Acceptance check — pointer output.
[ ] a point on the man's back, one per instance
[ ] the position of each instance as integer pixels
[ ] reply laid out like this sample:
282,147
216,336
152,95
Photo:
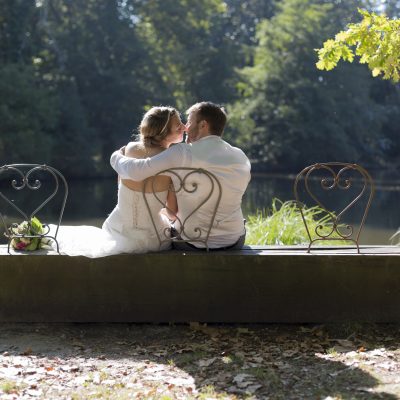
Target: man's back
232,169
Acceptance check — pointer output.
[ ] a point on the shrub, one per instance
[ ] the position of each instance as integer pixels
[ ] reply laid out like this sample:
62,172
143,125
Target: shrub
283,225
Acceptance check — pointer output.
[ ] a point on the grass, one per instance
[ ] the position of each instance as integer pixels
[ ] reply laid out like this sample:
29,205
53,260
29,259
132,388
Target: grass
209,392
332,352
9,387
266,375
282,224
184,359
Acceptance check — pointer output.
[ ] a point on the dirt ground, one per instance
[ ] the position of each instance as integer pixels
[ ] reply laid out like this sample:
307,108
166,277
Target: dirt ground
121,361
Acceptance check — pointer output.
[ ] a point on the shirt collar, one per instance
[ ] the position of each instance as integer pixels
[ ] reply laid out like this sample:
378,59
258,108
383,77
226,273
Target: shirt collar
209,137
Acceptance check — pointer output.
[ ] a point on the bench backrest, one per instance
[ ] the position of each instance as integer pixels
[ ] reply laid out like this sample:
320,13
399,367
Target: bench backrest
204,191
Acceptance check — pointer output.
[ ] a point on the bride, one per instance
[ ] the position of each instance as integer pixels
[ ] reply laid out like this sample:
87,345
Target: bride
128,228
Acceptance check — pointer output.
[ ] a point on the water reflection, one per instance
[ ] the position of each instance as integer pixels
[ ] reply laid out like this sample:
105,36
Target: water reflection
90,201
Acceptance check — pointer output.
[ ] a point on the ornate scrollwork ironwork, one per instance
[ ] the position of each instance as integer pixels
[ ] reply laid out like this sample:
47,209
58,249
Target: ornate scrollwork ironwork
25,180
336,179
183,182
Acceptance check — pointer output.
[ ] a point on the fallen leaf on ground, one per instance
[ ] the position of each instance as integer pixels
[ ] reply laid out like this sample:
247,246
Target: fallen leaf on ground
206,362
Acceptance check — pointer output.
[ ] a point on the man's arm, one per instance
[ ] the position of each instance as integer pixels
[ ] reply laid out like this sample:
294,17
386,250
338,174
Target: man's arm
139,169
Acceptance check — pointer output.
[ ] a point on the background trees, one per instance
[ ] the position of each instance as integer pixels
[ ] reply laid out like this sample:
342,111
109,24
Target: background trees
291,113
76,77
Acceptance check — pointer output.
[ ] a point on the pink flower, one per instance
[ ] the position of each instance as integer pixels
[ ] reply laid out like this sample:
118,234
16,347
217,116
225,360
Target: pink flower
20,245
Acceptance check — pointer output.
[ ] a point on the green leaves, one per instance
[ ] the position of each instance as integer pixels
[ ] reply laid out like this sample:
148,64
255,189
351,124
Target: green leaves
36,226
189,53
34,243
332,52
290,113
375,39
77,77
28,115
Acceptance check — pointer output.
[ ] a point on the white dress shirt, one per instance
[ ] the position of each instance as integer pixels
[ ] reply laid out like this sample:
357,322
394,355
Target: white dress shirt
229,164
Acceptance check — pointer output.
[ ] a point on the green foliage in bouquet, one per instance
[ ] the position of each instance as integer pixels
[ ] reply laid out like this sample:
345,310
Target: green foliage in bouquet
24,232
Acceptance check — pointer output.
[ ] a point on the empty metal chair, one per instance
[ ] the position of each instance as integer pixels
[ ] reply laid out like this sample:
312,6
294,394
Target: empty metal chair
27,179
309,187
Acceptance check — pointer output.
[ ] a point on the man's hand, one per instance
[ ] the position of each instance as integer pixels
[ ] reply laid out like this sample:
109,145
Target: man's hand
169,214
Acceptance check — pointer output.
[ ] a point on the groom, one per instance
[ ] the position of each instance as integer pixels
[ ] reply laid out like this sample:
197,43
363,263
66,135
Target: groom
205,149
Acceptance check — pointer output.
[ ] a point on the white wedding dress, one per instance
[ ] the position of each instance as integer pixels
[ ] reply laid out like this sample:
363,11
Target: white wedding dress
128,229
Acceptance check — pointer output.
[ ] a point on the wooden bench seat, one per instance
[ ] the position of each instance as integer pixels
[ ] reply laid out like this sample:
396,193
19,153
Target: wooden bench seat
273,284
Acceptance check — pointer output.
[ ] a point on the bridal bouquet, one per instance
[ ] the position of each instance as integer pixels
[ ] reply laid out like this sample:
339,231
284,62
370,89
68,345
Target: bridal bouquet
24,230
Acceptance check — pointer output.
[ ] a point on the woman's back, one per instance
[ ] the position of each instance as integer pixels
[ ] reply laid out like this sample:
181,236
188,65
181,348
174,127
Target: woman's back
128,228
156,184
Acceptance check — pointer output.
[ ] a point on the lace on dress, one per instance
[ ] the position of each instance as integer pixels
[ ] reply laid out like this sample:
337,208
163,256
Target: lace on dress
127,229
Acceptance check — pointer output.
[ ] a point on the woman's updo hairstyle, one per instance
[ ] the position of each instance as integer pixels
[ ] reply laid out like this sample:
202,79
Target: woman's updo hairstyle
156,125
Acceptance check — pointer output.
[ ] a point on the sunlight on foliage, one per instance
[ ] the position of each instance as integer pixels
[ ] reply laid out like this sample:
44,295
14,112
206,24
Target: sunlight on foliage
376,40
283,225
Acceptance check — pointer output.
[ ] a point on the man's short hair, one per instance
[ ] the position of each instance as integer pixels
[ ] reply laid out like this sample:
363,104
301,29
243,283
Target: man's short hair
212,113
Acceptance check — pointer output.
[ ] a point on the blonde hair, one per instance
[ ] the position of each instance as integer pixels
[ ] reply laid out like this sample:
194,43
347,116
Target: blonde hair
156,125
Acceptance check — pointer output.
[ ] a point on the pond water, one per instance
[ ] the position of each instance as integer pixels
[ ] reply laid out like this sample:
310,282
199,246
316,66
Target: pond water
90,201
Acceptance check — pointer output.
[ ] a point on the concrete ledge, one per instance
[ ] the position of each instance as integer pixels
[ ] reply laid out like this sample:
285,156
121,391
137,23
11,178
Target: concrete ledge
274,284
